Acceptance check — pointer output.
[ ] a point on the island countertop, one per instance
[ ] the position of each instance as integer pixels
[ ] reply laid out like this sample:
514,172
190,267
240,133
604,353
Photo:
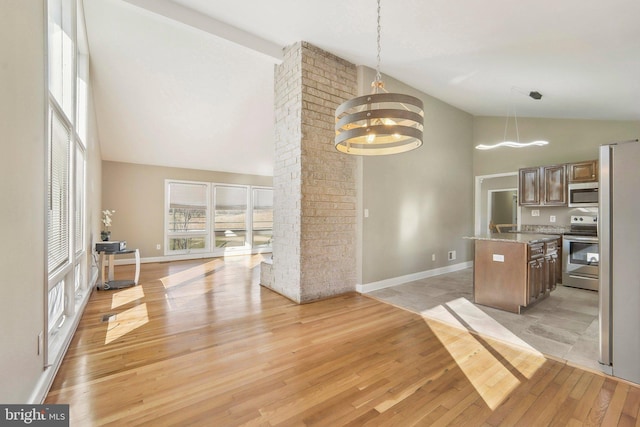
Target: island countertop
516,237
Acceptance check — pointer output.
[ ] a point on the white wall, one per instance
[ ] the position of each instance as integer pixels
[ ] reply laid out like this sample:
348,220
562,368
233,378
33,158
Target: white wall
23,189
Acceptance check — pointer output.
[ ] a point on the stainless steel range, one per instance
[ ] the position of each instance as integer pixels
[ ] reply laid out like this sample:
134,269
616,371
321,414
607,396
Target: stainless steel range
580,253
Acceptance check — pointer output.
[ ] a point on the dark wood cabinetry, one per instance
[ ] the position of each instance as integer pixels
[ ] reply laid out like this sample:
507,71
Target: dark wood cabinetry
554,185
536,272
583,171
543,186
529,187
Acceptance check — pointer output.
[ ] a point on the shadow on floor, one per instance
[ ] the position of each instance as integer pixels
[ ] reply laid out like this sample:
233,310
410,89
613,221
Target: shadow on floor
564,325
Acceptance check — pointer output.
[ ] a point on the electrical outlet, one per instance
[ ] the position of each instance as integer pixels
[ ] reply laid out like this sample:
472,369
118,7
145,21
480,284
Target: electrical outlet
552,218
158,246
366,213
433,257
452,255
535,212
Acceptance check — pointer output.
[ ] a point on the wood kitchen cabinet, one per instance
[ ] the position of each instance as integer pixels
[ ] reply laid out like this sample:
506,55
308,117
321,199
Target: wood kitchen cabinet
583,171
514,270
543,186
529,186
536,283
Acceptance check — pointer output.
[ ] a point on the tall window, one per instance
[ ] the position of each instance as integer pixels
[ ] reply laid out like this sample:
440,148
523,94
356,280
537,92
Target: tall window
262,217
230,215
67,260
62,50
187,217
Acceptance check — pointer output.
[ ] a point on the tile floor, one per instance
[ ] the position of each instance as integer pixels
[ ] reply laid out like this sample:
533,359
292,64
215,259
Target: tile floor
564,325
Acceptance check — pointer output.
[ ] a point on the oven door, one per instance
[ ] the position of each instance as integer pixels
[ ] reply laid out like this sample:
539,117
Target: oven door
581,258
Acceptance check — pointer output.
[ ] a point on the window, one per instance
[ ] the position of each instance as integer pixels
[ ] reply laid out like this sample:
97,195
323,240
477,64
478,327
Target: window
230,216
211,218
262,217
56,305
79,199
187,217
62,71
67,260
58,232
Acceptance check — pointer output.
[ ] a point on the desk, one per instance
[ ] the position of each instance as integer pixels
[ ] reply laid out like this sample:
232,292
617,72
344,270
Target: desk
108,282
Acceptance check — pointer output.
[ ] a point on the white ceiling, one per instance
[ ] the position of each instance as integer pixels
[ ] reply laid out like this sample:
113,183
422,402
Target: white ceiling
189,83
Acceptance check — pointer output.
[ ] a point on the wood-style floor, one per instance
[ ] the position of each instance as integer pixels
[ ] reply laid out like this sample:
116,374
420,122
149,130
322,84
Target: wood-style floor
201,343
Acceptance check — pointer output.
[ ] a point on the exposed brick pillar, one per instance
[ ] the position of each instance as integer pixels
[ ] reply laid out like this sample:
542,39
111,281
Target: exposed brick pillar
314,248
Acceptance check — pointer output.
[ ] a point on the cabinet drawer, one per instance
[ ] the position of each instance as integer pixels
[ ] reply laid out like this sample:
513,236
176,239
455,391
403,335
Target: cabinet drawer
551,247
536,250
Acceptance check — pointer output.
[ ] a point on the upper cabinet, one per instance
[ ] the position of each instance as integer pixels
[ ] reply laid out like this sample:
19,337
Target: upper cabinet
543,186
554,185
583,171
529,187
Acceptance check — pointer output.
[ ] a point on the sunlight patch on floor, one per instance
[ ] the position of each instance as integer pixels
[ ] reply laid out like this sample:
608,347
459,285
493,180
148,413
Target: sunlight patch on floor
494,370
125,322
196,272
126,296
464,314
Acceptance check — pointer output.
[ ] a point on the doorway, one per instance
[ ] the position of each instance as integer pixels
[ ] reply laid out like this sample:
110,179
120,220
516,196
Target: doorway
497,183
502,209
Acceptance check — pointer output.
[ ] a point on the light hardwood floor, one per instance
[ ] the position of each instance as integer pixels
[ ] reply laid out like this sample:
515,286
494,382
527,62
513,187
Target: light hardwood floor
201,343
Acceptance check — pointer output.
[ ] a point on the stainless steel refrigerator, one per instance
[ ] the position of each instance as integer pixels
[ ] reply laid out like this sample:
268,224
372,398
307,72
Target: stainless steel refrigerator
619,275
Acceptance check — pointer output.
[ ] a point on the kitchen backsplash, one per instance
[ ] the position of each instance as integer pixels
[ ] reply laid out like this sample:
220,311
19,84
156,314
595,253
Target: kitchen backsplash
562,216
535,228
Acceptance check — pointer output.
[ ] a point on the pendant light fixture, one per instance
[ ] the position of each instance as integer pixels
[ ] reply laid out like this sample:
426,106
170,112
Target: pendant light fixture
516,143
380,123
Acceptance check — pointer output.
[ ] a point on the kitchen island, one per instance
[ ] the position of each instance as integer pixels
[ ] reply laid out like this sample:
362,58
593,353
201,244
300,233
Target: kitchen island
514,270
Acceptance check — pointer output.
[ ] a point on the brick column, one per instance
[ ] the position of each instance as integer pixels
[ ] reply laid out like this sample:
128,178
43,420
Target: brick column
314,248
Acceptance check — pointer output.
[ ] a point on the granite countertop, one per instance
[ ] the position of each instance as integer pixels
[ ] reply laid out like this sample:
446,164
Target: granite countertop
516,237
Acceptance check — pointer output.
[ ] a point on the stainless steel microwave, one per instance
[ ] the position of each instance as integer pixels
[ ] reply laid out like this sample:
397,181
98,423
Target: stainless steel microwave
584,194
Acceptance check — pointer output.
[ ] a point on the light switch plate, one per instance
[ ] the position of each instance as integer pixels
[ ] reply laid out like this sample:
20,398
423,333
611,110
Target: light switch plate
535,212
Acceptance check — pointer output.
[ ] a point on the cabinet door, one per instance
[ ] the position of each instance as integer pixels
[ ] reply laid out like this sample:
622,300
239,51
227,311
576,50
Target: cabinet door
529,187
552,279
583,171
535,279
555,186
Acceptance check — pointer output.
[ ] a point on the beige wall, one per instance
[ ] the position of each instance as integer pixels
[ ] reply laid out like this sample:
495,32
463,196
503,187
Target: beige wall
23,189
136,192
421,202
569,141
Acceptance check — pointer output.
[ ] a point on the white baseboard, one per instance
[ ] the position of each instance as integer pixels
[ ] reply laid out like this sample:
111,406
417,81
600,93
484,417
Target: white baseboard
395,281
183,257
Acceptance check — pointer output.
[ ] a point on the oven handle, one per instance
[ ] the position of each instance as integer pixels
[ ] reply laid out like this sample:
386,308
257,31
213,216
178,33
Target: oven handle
581,239
575,276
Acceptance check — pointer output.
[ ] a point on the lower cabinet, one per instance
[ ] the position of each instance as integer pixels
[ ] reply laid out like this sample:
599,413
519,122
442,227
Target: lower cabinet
543,269
510,275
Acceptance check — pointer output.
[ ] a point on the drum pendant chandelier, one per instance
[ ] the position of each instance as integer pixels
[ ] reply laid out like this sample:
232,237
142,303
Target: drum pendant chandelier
380,123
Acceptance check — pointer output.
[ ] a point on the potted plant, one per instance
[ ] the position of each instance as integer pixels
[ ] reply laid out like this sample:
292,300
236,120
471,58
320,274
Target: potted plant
105,234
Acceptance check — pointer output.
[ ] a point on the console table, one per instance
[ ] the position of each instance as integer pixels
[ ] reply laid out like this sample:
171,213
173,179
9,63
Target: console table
108,282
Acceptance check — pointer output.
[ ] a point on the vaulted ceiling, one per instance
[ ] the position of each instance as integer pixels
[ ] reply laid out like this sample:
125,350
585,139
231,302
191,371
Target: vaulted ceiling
189,83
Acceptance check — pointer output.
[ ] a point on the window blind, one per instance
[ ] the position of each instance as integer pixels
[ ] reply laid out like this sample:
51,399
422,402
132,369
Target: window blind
58,233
